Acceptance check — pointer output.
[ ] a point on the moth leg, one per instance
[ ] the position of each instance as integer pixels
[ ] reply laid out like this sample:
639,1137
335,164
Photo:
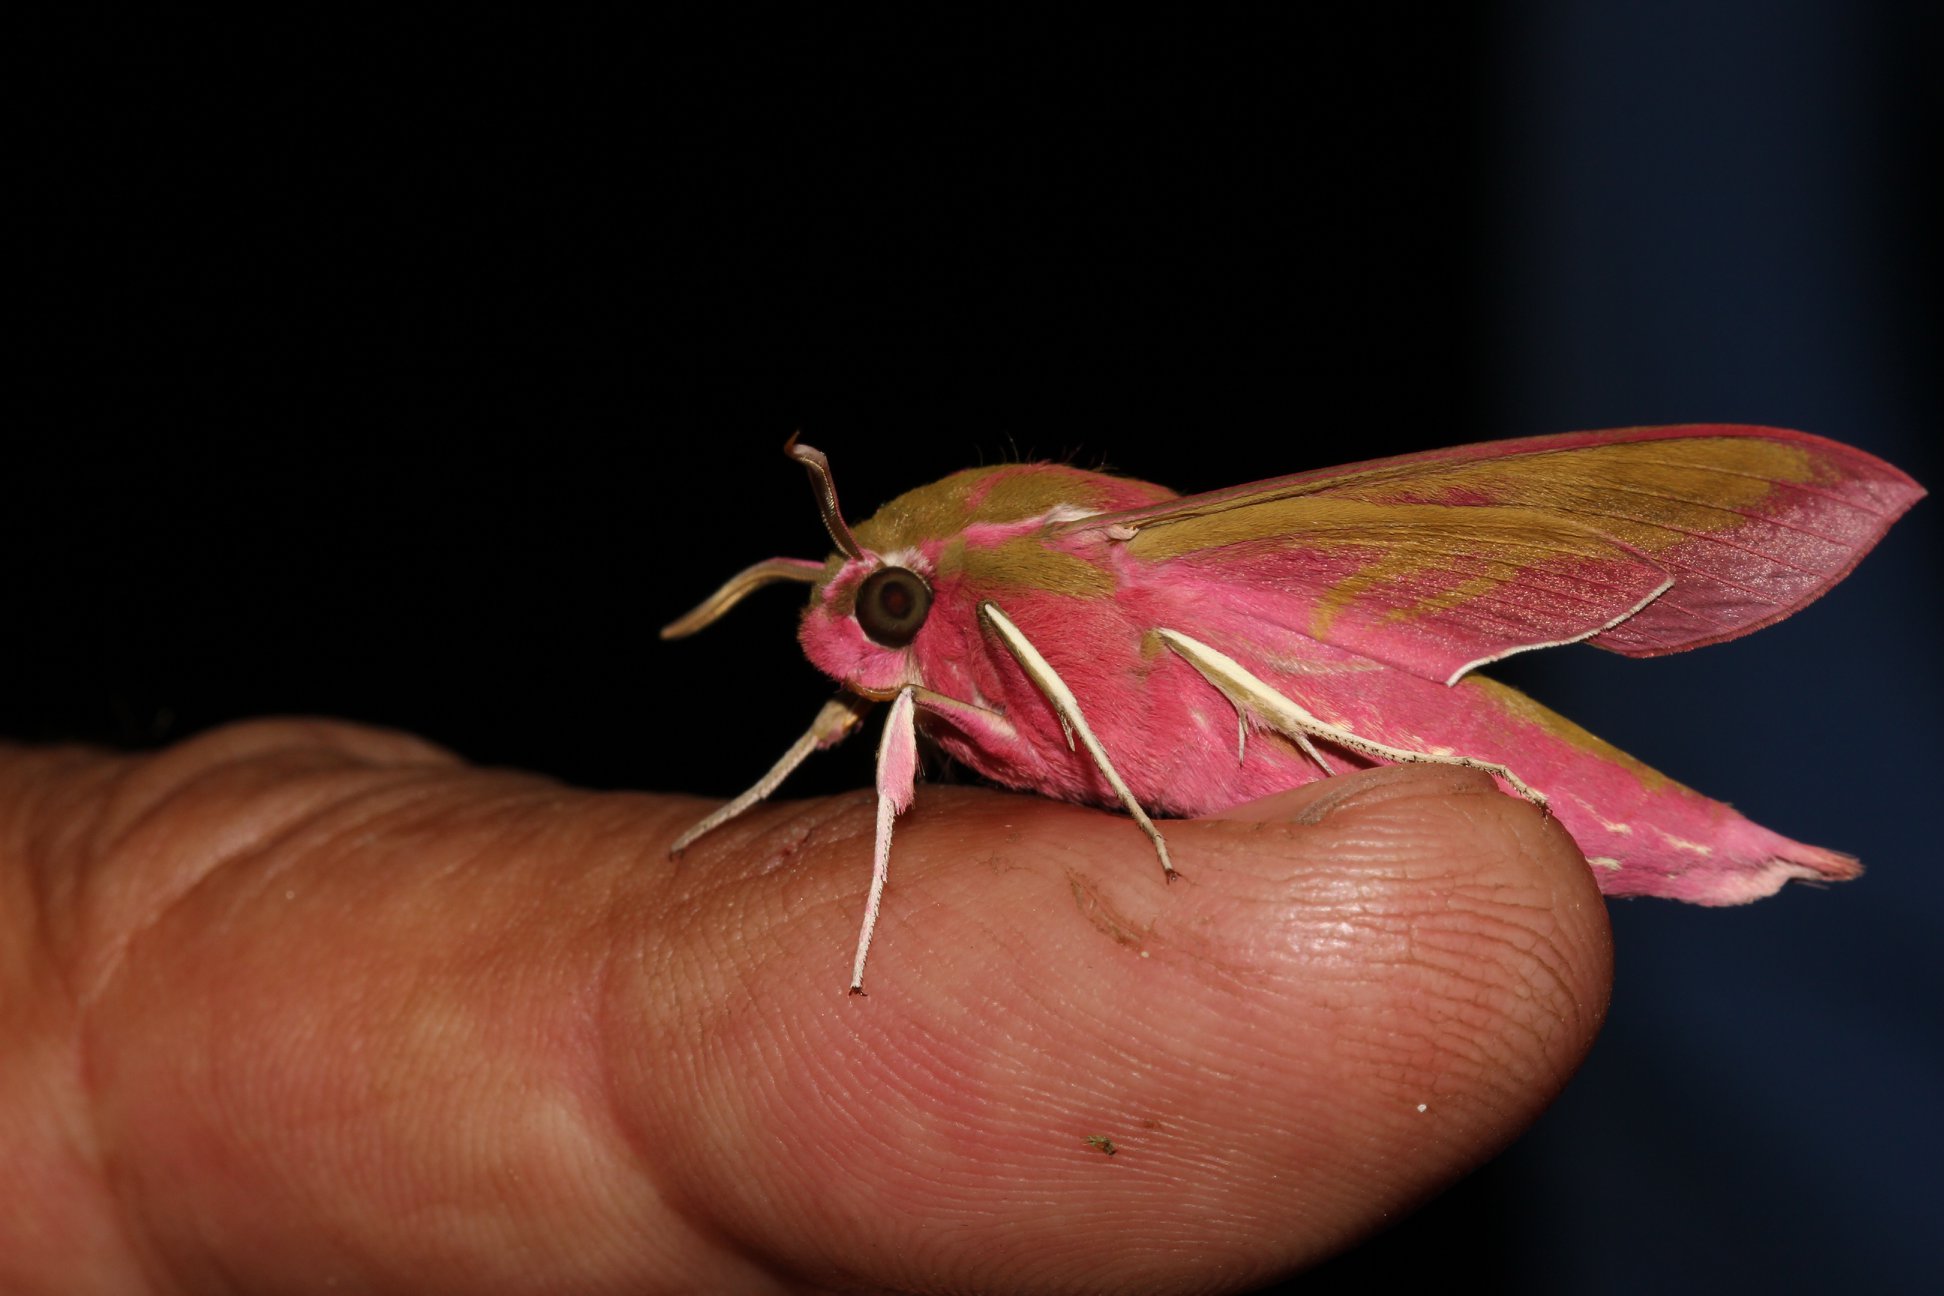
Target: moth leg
833,724
897,777
1067,707
1309,749
1303,744
1252,695
972,720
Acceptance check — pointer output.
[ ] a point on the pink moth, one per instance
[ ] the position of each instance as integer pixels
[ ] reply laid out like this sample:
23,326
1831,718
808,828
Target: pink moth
1106,641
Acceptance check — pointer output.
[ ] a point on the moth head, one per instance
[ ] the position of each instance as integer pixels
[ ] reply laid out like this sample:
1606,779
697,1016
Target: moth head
866,610
865,614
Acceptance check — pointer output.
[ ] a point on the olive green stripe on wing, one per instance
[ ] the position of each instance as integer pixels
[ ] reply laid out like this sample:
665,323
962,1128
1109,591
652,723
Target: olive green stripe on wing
1647,493
1522,708
1748,526
1430,589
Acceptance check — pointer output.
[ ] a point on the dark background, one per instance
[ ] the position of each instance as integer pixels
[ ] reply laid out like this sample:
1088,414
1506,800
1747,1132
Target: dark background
417,374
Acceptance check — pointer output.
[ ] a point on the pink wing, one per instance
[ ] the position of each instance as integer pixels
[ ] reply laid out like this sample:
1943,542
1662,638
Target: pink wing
1643,540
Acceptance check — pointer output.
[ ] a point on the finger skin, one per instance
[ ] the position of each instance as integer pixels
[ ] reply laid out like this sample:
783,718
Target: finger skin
312,1005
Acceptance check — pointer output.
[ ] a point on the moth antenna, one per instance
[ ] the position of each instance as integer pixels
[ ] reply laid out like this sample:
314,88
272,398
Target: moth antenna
897,779
833,724
737,587
1067,707
820,481
1286,717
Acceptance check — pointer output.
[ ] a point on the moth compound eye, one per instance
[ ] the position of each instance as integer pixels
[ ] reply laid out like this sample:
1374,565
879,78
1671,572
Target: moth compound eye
891,605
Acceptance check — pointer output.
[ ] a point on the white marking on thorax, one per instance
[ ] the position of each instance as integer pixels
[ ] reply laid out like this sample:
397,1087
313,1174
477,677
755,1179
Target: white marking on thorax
1062,513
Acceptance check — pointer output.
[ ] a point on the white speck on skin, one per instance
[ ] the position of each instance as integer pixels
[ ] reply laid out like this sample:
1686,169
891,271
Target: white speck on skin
1423,1107
290,895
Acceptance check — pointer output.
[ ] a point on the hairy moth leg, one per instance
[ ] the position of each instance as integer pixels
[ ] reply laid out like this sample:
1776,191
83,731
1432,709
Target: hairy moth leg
1067,707
897,778
973,721
1303,744
833,724
1251,696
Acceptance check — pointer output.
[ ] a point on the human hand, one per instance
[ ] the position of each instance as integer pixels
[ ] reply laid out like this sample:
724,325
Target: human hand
300,1004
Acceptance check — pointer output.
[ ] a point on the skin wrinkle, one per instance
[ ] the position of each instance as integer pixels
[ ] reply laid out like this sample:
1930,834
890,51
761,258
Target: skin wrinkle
154,1249
1478,1058
1536,964
52,894
1541,949
707,1249
343,815
716,862
1495,994
259,845
1407,1078
622,1039
147,785
144,1250
45,941
620,920
78,772
1536,1025
807,1192
78,1121
891,1095
137,792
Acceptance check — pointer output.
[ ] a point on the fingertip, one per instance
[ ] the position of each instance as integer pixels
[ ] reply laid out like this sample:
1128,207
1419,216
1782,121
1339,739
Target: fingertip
1451,935
1392,971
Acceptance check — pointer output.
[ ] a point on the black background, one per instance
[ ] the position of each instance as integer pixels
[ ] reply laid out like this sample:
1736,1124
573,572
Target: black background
417,373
